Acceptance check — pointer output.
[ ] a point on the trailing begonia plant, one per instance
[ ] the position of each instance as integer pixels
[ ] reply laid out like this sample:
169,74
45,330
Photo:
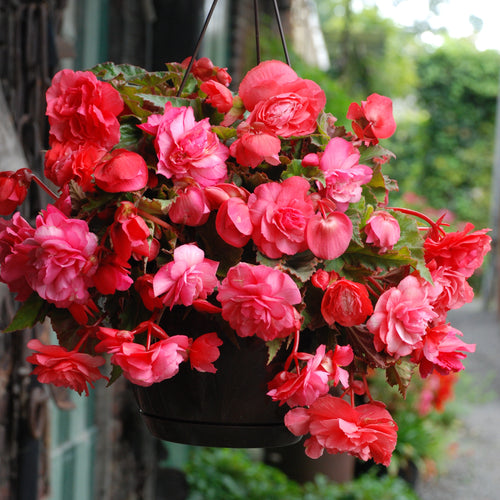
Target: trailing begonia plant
251,206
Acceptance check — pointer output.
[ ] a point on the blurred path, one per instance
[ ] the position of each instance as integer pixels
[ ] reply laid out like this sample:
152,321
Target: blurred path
474,470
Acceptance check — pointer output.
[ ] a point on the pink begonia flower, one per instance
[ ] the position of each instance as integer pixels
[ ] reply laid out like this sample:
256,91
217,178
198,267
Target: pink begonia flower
258,300
255,144
144,287
161,361
401,317
112,339
346,302
461,251
130,235
14,255
218,95
68,161
63,259
204,351
121,171
187,149
188,277
218,194
328,237
279,213
373,120
62,368
303,388
204,70
366,431
83,109
344,176
382,230
233,222
112,274
436,391
455,291
441,351
190,207
13,189
286,104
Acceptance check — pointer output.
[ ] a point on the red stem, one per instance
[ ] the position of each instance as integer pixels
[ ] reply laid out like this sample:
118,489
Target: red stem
45,188
155,219
420,215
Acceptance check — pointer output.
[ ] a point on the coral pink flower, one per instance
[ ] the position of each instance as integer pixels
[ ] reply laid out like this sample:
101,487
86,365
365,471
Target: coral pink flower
130,234
112,274
218,194
373,120
63,259
144,287
161,361
333,360
204,351
366,431
188,277
328,237
190,207
462,251
233,222
83,109
258,300
204,70
442,351
187,148
286,104
401,317
111,339
218,95
60,367
121,171
346,302
279,213
344,176
254,145
382,230
13,189
14,255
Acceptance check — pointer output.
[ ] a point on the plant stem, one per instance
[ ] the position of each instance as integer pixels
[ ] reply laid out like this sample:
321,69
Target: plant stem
45,188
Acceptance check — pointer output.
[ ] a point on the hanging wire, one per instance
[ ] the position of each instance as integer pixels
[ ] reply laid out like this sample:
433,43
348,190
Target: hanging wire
282,35
197,48
257,33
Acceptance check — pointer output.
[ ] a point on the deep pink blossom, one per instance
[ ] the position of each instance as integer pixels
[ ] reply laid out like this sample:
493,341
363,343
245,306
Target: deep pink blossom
112,339
442,351
82,109
462,251
401,316
218,95
13,189
144,367
328,237
190,207
60,367
144,287
373,120
382,230
62,258
205,70
279,213
346,302
233,222
188,277
258,300
187,148
366,431
112,274
204,351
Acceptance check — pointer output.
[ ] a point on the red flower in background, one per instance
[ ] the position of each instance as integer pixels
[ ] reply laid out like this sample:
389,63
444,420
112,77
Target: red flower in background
13,189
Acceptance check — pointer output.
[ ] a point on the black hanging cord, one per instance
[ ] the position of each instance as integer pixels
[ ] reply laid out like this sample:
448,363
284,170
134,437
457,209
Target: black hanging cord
198,44
282,35
257,33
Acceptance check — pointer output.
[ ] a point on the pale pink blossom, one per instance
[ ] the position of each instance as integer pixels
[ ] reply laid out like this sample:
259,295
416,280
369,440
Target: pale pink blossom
401,316
186,148
188,277
144,367
280,213
382,230
258,300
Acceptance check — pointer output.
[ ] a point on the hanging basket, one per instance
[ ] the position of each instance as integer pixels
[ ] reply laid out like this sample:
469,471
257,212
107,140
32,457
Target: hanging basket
229,408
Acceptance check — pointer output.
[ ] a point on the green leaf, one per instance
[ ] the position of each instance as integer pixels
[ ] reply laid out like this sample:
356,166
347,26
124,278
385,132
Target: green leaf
295,169
32,311
130,135
116,373
301,266
109,71
400,375
273,346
